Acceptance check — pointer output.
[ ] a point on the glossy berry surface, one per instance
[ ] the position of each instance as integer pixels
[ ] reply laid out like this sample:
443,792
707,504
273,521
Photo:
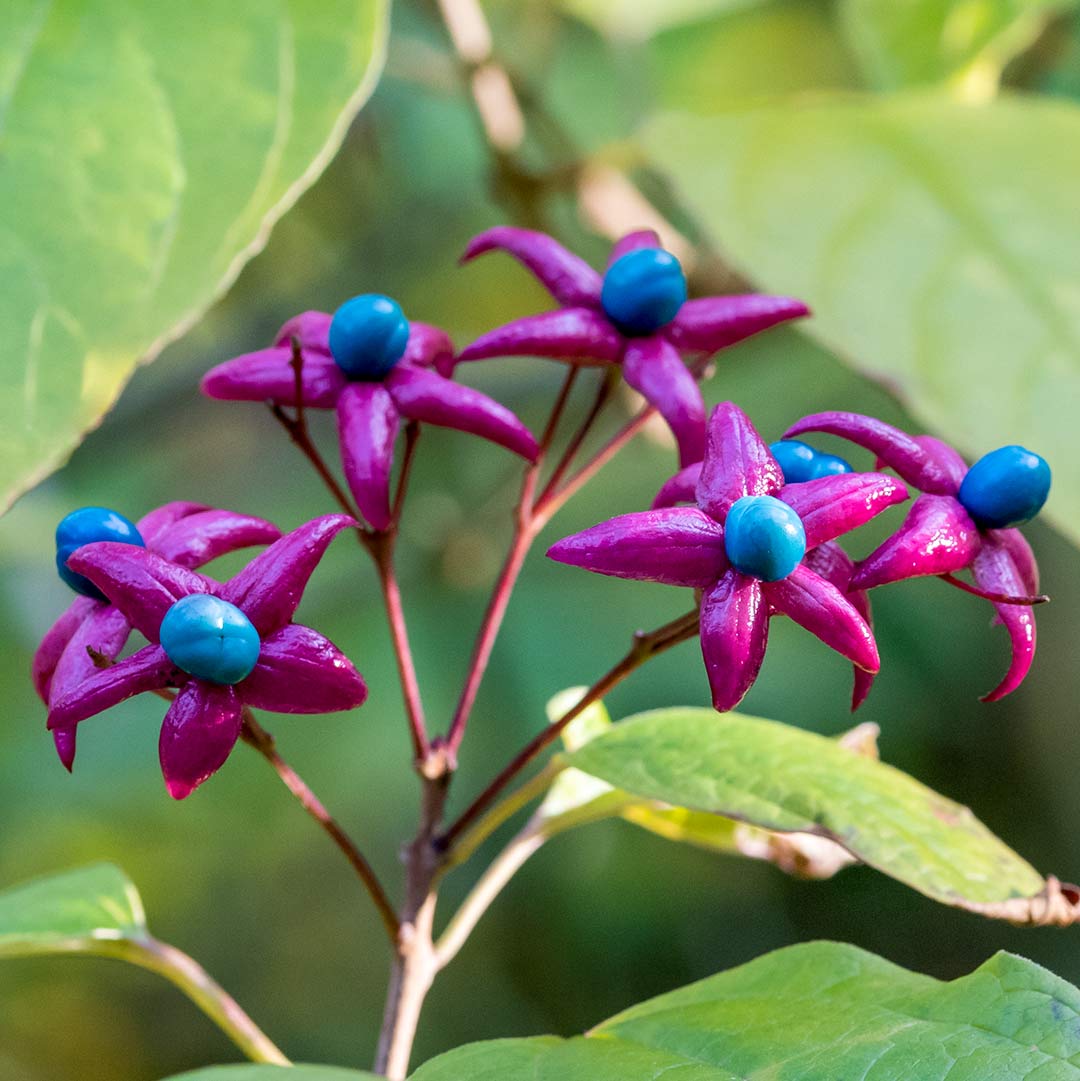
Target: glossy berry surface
1005,487
210,638
643,291
795,458
85,526
801,462
368,335
764,537
829,465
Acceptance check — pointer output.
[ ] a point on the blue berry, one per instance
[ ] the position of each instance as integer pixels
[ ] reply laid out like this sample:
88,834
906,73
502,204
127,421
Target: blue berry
368,335
764,537
1005,487
829,465
85,526
210,639
795,458
801,462
643,291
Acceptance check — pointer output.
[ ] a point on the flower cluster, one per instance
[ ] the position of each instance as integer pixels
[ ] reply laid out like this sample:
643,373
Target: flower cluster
222,646
752,528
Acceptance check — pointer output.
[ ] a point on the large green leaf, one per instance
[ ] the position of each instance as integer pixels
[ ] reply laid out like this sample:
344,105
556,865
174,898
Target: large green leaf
145,151
577,798
69,912
817,1012
936,244
785,779
298,1072
914,42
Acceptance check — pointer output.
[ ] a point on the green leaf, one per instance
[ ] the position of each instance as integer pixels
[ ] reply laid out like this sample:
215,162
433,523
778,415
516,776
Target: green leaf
783,779
915,42
577,798
639,19
70,912
935,243
146,151
816,1012
759,52
297,1072
97,910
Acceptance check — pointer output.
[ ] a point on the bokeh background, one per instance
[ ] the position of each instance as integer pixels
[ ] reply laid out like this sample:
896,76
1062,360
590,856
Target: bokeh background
605,916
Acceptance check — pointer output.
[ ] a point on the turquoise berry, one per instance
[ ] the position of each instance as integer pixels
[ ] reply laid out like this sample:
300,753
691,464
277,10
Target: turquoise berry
800,462
829,465
210,639
764,537
1005,487
368,335
643,291
85,526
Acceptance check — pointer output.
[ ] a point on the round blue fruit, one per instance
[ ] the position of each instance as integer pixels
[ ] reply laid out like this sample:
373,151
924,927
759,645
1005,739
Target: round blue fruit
829,465
764,537
210,638
643,291
1005,487
795,458
85,526
801,462
368,335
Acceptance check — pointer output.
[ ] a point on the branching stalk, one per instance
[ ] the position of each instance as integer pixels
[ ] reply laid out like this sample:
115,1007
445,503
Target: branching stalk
257,736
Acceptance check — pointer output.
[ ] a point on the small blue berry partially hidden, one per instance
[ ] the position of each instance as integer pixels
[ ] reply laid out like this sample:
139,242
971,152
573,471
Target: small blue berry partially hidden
1005,487
643,291
368,335
829,465
85,526
764,537
801,462
210,638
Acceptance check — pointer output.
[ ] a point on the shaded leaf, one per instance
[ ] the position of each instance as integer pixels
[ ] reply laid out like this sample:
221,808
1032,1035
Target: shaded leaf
147,150
816,1012
783,779
935,243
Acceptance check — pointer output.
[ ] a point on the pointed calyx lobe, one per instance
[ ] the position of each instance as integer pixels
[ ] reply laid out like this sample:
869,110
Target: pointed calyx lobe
637,314
742,546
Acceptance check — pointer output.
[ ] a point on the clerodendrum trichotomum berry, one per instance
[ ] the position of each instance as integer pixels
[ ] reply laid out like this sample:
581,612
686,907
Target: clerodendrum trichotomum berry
210,639
764,537
368,336
643,291
84,526
1005,487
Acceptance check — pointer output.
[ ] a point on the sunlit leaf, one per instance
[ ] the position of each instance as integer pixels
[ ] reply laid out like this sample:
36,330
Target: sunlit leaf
298,1072
816,1012
935,242
96,910
642,18
146,151
915,42
787,780
70,912
756,52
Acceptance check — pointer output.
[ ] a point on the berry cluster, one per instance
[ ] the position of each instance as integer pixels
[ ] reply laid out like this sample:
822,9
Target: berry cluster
751,527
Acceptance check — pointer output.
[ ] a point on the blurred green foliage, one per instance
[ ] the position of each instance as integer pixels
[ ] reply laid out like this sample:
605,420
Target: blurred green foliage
146,152
605,917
